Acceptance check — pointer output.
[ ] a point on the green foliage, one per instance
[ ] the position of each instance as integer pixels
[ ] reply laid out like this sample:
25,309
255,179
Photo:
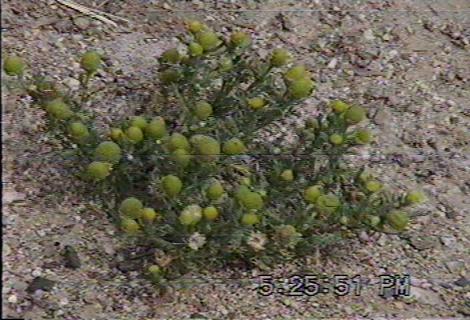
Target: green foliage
197,179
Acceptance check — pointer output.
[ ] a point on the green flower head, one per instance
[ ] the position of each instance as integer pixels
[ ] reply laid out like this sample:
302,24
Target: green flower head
301,88
171,56
208,40
203,110
312,193
91,61
287,175
250,219
226,64
178,141
280,57
169,76
191,215
181,157
251,200
131,208
116,134
355,115
206,147
210,213
296,73
415,197
148,215
139,122
363,136
195,26
108,151
59,109
240,39
215,190
78,131
172,185
98,171
286,231
134,135
130,226
336,139
156,129
327,203
398,220
14,66
257,103
195,49
234,146
339,106
373,186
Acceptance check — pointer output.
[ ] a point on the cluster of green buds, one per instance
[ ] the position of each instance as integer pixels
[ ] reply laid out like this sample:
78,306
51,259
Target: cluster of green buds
134,215
14,66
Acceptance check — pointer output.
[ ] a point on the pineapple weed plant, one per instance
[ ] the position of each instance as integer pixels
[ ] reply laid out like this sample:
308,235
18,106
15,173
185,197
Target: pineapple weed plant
197,181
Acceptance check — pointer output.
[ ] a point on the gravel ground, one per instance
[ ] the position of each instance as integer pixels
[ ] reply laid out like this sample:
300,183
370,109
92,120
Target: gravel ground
407,61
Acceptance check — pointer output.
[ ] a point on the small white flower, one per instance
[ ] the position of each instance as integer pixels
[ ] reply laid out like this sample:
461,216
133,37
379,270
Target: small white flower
257,240
196,241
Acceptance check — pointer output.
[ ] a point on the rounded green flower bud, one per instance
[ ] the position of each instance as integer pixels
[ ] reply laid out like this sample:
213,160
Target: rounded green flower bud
195,26
98,171
195,49
286,231
154,269
301,88
226,65
280,57
344,220
373,186
363,137
156,129
139,122
215,190
170,76
131,207
256,103
210,213
130,226
148,215
312,123
296,73
234,146
240,39
327,203
59,109
78,131
178,141
181,157
190,215
336,139
312,193
251,200
398,220
203,110
14,66
90,61
171,185
108,151
171,56
241,192
116,134
339,106
134,134
355,115
250,219
415,197
206,147
208,40
287,175
373,220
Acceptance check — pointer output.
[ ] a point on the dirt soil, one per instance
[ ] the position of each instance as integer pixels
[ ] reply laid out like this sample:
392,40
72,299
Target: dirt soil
407,62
